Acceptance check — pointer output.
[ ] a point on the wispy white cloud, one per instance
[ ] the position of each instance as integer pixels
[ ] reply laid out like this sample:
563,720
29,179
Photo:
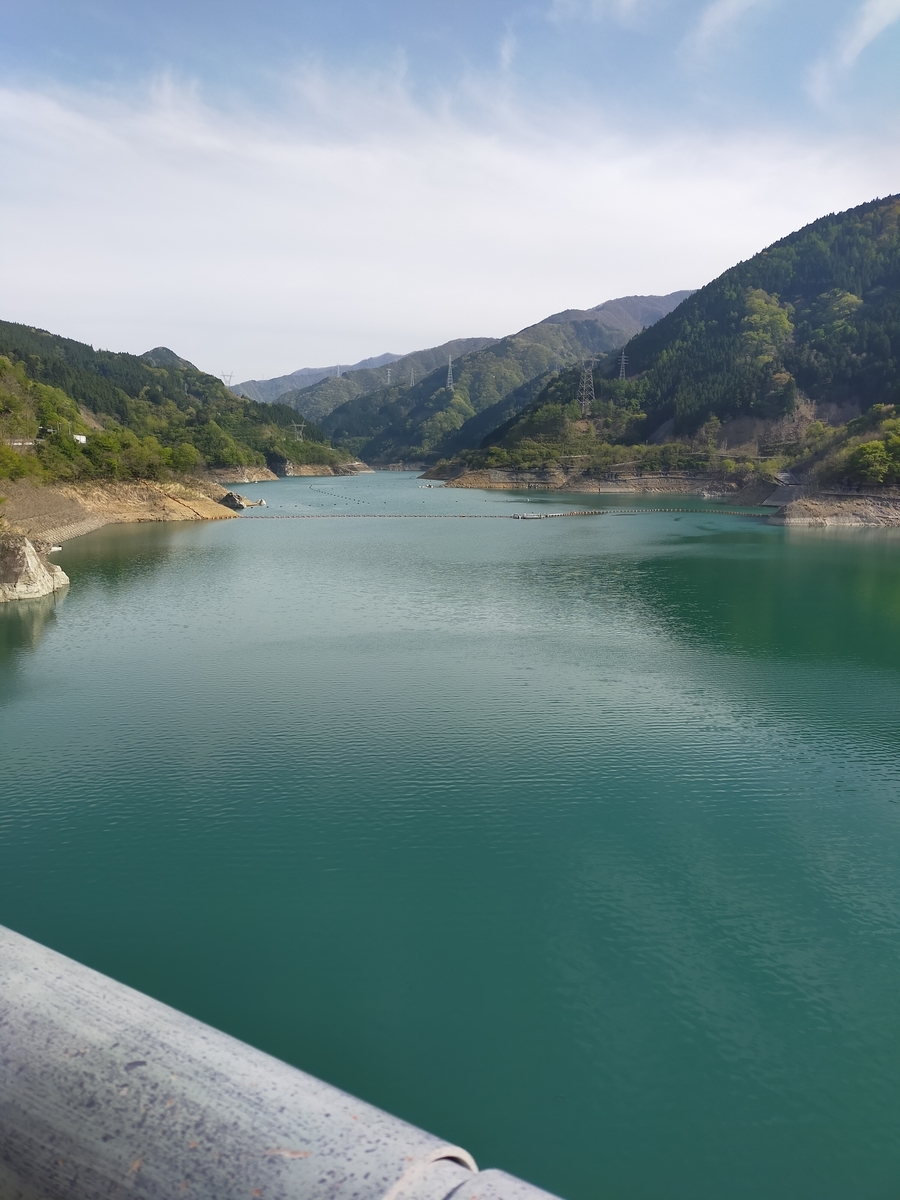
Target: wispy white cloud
358,220
871,20
507,52
716,21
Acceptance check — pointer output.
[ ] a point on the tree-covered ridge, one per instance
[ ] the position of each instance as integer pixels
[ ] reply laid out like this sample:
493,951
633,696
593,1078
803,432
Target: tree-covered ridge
816,313
553,432
139,420
318,400
429,419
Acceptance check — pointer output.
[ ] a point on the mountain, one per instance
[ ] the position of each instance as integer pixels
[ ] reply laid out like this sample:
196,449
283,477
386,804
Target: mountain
318,401
428,419
162,356
139,416
816,314
623,318
788,360
268,390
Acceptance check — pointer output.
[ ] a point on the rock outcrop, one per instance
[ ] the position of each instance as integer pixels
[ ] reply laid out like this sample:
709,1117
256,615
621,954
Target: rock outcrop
291,469
25,574
223,475
236,501
834,509
574,478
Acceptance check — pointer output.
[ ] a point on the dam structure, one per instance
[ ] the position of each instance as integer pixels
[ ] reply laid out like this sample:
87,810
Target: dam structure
105,1091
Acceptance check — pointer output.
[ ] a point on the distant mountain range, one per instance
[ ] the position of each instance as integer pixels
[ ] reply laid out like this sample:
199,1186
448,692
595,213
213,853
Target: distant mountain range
268,390
793,342
403,409
491,383
317,401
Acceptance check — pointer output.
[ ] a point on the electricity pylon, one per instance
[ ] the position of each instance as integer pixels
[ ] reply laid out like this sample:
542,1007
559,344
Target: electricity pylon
586,388
449,372
623,363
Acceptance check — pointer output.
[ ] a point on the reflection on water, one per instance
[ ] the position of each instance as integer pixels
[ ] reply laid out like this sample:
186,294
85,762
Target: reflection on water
794,594
119,556
24,622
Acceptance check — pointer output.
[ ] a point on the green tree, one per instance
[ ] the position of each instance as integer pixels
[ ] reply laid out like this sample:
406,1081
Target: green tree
870,462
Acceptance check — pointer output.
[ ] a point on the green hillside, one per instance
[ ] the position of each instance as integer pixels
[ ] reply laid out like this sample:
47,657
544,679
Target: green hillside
428,420
267,391
775,353
816,313
320,399
139,420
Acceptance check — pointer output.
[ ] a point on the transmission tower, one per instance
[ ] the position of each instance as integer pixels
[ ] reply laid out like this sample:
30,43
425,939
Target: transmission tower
298,429
227,377
586,388
412,377
389,376
623,363
449,372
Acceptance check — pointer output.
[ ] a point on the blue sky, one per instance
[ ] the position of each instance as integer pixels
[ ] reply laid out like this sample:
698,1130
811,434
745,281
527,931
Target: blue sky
284,184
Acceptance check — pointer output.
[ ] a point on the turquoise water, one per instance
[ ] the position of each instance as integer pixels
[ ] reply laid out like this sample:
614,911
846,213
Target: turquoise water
575,841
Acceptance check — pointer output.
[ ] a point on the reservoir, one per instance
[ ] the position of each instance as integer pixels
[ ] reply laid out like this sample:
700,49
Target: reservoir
576,842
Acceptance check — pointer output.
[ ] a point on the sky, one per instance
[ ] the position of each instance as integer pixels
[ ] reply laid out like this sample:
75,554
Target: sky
282,184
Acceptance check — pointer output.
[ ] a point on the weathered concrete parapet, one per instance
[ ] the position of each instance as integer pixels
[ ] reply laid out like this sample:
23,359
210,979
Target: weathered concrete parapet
24,573
105,1092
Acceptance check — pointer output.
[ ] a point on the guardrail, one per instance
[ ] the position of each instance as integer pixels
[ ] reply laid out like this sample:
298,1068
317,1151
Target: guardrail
105,1092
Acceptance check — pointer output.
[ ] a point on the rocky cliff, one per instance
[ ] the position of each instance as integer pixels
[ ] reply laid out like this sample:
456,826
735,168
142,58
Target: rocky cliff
25,573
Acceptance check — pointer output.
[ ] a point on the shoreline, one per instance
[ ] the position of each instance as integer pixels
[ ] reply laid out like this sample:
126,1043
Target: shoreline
834,510
57,512
232,475
792,505
557,479
53,513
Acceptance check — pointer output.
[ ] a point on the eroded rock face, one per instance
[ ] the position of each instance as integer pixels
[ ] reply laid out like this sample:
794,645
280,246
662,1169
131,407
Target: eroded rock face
25,574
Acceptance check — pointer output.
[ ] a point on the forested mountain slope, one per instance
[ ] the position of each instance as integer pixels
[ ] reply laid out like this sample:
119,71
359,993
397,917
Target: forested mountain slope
429,419
138,420
321,399
790,360
267,391
817,313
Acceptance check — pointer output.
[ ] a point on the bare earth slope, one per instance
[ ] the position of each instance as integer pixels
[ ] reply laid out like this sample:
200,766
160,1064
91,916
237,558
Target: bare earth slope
57,512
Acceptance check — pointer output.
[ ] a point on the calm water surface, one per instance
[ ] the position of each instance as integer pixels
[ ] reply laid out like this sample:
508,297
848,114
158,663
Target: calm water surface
576,842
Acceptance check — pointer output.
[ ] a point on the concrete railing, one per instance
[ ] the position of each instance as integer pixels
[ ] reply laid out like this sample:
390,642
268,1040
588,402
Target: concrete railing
105,1092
